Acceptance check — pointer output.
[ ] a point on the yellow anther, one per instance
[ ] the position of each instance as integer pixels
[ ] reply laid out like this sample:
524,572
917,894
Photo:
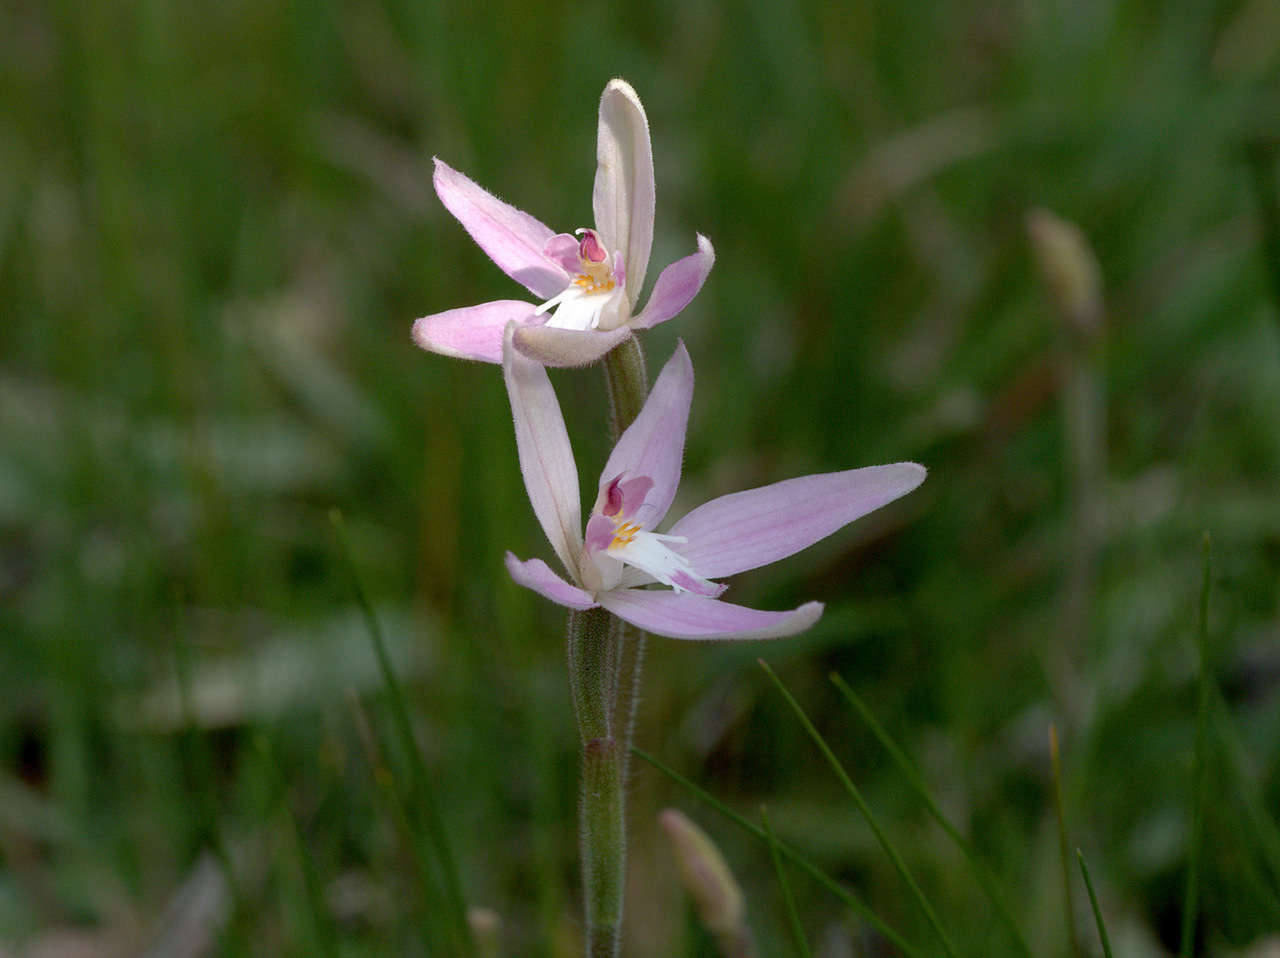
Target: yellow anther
625,534
591,285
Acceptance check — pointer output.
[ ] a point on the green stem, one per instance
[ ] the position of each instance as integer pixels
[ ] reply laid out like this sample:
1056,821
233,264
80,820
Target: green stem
605,655
592,672
627,382
593,678
602,832
630,643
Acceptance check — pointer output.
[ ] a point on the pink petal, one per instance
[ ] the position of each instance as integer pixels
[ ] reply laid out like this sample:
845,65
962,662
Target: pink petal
623,199
749,529
600,533
546,458
537,575
624,497
677,285
512,238
562,249
653,445
472,332
680,615
554,346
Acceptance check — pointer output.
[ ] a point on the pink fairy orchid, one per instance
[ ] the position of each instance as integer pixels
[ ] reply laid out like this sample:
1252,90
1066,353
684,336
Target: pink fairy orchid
621,554
588,282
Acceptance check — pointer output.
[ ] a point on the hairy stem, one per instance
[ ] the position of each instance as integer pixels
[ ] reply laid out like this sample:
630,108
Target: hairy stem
602,827
627,382
604,673
593,677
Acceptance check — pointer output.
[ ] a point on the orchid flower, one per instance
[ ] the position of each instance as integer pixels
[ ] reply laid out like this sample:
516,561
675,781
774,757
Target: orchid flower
588,282
620,554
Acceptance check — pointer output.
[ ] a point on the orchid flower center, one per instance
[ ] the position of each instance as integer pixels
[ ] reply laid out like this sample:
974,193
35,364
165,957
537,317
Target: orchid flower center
592,298
597,269
615,538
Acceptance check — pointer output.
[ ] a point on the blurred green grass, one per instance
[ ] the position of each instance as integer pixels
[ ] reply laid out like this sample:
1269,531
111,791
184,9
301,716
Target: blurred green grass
216,225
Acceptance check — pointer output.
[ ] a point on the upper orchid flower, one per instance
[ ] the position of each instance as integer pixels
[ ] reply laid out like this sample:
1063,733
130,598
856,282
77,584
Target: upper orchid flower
588,282
620,553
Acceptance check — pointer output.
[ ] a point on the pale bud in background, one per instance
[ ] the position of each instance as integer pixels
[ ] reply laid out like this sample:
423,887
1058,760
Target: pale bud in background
716,895
1069,270
486,928
1073,278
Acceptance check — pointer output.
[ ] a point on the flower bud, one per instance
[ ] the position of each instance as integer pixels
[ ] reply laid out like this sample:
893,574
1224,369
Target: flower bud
486,928
1069,270
716,895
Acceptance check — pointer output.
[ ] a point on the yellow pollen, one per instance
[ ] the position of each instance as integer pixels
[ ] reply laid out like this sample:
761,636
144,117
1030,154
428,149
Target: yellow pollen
590,285
625,534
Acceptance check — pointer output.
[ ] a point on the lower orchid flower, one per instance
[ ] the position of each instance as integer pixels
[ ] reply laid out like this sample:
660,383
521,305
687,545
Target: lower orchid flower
589,281
621,555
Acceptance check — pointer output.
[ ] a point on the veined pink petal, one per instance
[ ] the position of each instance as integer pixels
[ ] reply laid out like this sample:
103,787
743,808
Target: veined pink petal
554,346
546,458
513,239
472,332
623,199
680,615
676,286
653,445
749,529
537,575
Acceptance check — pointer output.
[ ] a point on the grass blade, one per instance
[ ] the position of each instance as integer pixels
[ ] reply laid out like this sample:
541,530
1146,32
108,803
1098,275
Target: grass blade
908,771
394,802
1190,898
793,919
813,871
319,927
1093,902
200,766
1261,158
1060,813
418,778
865,809
1265,831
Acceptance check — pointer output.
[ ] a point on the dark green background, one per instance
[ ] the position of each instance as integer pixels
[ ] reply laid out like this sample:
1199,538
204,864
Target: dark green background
216,227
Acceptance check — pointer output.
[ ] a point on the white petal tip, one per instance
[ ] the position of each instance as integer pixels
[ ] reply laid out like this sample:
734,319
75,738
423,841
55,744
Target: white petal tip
912,474
622,87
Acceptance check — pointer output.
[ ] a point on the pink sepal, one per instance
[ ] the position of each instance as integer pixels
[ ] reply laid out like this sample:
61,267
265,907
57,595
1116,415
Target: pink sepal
676,286
513,239
472,332
681,615
749,529
537,575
